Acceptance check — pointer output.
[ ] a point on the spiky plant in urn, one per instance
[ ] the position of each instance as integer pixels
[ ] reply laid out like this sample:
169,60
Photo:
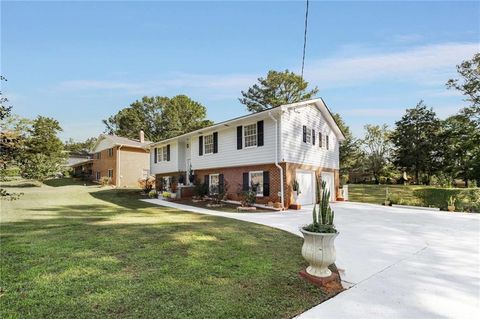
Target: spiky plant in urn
318,246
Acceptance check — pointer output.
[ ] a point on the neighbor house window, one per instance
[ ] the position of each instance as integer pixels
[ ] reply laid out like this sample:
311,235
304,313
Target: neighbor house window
110,152
97,155
98,175
110,173
162,154
256,182
308,136
214,182
208,144
326,141
250,135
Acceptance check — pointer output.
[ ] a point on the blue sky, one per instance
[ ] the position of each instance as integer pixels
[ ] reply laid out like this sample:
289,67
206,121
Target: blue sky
81,62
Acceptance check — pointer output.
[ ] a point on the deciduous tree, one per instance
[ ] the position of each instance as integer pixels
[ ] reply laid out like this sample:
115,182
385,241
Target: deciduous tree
159,117
376,146
349,149
416,142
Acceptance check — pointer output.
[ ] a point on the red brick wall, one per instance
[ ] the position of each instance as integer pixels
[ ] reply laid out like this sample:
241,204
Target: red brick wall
234,178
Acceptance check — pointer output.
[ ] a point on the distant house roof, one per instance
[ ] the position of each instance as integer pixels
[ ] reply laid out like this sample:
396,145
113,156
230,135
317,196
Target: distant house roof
74,161
122,141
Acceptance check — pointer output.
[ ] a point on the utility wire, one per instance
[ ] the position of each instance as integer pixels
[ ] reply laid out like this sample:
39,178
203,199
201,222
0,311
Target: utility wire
305,39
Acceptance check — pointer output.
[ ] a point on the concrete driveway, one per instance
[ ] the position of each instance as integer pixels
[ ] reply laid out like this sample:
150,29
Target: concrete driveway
398,263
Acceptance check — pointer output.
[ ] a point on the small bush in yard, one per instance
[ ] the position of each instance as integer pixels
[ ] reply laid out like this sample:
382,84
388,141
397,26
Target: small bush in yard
248,198
147,184
200,190
104,181
152,194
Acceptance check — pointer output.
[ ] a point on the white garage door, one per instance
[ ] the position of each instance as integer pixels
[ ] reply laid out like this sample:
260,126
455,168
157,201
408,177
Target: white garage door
306,185
330,181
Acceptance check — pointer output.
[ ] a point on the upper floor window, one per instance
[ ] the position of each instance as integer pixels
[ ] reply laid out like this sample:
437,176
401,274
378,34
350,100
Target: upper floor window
250,135
110,152
162,154
327,142
320,139
308,136
98,155
110,173
208,144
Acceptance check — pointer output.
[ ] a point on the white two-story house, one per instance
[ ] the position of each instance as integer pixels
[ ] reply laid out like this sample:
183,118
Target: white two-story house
270,149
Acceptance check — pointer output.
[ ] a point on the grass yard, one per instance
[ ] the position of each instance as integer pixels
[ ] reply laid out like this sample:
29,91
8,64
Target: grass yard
74,251
467,199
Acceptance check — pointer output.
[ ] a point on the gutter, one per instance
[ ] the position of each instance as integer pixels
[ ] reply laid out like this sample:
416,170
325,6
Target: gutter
276,157
118,166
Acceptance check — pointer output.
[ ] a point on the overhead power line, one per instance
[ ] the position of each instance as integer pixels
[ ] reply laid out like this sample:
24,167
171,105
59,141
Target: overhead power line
305,38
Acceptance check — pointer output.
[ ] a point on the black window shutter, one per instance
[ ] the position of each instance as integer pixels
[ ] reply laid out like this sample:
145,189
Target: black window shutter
200,145
168,153
206,179
246,182
239,137
304,134
260,133
215,142
326,141
221,182
266,183
155,152
313,137
320,139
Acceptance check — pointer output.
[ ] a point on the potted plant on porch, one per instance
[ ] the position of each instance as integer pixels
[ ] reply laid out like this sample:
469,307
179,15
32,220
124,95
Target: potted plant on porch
318,246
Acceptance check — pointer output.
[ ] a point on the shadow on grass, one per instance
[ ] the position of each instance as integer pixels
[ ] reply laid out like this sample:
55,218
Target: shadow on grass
59,182
22,185
126,198
178,266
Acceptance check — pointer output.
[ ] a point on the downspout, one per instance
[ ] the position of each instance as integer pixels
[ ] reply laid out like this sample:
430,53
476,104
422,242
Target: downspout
276,157
118,165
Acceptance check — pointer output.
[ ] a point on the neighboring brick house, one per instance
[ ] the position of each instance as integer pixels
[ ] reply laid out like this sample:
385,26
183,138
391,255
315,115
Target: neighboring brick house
121,159
270,149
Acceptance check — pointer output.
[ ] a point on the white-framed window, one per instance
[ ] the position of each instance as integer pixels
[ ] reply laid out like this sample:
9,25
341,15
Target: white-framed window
208,144
110,152
320,139
250,135
98,175
110,173
98,155
256,181
162,154
308,136
214,183
327,142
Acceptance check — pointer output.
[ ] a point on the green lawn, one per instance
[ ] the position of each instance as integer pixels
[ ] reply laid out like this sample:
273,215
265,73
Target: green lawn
419,195
69,250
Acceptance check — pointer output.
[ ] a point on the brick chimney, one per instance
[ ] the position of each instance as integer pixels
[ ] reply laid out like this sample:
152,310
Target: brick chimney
142,136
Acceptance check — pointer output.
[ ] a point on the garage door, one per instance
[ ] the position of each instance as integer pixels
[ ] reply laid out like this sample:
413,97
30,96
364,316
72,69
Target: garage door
306,185
330,184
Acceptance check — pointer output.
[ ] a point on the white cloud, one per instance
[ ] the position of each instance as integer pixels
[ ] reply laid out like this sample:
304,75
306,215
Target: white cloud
427,65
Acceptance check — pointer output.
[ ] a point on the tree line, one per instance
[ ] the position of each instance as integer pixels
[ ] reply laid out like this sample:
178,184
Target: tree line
419,148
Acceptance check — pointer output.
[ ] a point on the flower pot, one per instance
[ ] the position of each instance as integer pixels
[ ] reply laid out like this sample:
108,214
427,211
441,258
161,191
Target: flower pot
295,197
387,203
319,251
173,195
451,208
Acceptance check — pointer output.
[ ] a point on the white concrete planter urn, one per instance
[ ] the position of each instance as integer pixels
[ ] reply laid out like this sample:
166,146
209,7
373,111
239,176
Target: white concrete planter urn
295,197
318,245
319,251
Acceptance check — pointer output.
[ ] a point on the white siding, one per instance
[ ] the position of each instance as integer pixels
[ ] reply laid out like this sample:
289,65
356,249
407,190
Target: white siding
165,166
228,155
294,150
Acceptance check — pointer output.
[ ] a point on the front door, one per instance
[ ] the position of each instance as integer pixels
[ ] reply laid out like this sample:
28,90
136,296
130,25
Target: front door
329,179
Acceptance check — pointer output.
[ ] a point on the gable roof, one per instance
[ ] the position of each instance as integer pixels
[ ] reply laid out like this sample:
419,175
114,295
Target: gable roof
319,103
122,141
